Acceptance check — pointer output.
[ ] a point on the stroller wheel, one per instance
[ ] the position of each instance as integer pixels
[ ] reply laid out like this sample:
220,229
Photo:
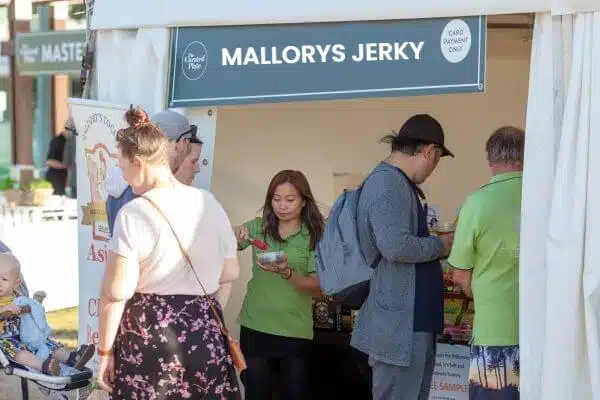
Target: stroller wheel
52,394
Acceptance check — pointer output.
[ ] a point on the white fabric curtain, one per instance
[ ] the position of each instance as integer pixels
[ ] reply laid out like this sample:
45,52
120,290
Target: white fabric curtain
132,67
560,258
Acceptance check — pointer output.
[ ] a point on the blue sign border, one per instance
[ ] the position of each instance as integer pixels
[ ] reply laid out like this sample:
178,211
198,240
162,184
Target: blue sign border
474,87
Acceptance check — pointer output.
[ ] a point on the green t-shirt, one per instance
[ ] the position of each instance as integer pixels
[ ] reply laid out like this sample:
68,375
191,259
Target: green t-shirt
272,305
487,241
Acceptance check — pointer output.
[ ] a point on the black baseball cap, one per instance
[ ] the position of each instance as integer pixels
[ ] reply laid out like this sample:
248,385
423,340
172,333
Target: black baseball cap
423,128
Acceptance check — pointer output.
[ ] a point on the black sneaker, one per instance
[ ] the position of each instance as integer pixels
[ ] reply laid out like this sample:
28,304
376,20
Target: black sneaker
79,358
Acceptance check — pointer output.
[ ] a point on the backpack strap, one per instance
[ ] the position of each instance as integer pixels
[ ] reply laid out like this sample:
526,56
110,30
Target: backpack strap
417,189
359,191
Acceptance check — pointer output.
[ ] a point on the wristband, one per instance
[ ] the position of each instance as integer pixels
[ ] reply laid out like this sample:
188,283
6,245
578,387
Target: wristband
104,353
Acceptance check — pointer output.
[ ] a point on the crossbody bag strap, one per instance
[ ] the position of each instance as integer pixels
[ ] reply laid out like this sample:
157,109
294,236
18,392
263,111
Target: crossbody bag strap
189,262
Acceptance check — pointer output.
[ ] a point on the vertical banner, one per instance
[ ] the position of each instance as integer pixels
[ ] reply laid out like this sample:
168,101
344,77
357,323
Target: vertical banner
97,124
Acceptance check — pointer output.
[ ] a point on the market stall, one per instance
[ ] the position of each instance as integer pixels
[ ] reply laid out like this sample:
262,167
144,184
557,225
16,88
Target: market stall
562,115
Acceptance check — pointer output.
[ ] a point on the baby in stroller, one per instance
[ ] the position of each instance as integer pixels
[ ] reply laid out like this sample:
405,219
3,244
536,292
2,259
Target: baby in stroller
26,339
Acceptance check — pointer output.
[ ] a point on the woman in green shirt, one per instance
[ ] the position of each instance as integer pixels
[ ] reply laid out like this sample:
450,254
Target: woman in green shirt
276,317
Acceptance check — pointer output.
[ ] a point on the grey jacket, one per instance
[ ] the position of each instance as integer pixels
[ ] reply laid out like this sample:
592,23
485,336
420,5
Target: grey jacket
387,224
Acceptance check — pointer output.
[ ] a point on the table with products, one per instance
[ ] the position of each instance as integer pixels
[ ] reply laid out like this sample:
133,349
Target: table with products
339,371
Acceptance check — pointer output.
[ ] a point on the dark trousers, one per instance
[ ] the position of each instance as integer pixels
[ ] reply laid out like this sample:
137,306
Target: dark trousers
58,178
275,378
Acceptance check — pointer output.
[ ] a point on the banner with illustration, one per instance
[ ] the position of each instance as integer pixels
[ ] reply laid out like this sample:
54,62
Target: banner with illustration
97,124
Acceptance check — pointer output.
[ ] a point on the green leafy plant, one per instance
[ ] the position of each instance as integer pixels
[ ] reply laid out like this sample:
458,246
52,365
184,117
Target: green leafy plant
39,184
8,183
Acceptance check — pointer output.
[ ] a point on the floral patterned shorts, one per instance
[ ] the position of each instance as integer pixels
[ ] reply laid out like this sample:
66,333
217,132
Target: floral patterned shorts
494,373
12,345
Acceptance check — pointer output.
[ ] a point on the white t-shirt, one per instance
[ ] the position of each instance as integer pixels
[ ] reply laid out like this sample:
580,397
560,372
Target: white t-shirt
143,236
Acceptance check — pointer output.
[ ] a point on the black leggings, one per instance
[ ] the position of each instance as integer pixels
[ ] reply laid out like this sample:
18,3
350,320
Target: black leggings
285,377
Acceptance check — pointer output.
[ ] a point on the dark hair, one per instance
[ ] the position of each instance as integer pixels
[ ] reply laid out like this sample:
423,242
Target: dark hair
142,138
506,146
311,215
410,147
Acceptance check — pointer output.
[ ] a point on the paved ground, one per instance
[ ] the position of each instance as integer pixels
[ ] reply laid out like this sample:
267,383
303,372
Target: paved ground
10,389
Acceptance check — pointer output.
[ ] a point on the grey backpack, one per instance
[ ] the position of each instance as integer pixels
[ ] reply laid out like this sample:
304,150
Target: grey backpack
343,271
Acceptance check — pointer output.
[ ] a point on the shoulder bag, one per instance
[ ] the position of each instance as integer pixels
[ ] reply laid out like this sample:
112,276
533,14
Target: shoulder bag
235,350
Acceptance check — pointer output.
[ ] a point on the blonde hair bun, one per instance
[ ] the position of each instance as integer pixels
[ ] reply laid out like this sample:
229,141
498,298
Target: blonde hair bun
136,117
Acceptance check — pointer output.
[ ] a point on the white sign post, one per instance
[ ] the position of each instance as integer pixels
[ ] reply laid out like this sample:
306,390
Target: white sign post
97,124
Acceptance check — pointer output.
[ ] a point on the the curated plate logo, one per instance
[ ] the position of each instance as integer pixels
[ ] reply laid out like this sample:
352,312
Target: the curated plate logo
194,61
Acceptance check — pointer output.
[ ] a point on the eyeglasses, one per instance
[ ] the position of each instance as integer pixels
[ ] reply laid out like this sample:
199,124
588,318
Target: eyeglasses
192,132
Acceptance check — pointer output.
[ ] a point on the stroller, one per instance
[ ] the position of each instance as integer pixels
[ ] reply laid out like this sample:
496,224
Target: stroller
49,385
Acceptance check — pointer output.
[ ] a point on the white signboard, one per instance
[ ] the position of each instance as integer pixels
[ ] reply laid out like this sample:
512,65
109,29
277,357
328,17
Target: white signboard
97,125
451,374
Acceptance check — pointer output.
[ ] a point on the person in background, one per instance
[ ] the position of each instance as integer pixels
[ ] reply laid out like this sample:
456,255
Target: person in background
57,170
485,261
276,316
69,157
184,160
398,324
168,275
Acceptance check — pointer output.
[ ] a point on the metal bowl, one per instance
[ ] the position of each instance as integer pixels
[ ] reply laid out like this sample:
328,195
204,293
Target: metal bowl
271,258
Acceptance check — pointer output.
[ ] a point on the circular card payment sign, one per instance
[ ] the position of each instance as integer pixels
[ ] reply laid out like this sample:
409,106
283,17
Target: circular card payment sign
456,40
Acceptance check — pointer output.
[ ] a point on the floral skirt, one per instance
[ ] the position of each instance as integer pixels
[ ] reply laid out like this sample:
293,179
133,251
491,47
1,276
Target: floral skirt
171,347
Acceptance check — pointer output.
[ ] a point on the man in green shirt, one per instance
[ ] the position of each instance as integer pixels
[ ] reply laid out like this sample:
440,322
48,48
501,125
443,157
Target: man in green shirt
485,261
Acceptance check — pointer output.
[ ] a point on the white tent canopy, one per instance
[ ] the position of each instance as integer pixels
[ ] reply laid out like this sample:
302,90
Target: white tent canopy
119,14
560,270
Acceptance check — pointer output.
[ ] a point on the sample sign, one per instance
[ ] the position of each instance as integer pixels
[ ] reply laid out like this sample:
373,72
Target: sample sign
49,52
451,374
97,125
323,61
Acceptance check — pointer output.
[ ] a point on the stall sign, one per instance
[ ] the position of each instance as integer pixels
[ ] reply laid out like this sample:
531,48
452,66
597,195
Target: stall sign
49,52
451,374
221,65
97,125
